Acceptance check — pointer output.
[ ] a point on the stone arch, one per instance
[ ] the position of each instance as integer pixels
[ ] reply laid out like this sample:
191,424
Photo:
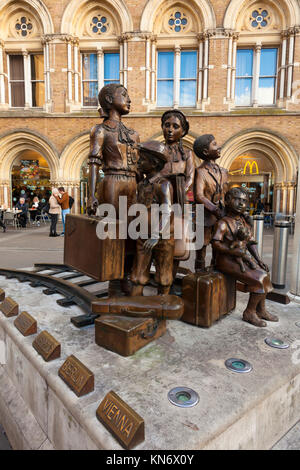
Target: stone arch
274,146
73,156
15,142
289,9
76,10
37,7
201,8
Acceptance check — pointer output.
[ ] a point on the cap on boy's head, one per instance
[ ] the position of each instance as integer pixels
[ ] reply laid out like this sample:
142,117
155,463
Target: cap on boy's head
201,144
154,149
235,192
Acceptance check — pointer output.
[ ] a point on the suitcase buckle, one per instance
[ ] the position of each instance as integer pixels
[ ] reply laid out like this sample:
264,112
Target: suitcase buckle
150,332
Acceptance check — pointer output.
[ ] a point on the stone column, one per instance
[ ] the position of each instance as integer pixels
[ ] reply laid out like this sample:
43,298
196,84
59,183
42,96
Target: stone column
256,74
100,63
291,198
205,68
290,65
177,77
284,198
153,68
234,51
27,82
125,59
283,65
200,69
69,70
147,67
229,66
76,73
2,82
278,197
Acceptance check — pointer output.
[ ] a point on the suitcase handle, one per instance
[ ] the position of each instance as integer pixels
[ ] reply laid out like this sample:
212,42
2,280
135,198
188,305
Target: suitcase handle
147,334
133,313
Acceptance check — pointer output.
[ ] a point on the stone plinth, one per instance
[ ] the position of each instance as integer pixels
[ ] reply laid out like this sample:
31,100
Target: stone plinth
235,411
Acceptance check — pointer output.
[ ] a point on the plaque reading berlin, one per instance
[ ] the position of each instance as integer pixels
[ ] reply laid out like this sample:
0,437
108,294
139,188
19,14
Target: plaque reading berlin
77,376
9,307
121,420
47,346
26,324
2,295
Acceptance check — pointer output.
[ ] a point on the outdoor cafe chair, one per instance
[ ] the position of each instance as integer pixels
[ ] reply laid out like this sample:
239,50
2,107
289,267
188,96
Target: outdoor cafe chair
9,218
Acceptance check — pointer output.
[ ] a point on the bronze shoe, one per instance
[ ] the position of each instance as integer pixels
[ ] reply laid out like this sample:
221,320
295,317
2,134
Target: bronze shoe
251,317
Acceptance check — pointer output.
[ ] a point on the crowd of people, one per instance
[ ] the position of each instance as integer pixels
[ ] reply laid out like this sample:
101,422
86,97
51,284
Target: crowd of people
59,201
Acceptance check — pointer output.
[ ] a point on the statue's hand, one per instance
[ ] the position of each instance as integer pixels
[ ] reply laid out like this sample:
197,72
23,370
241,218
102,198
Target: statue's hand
263,266
92,205
150,244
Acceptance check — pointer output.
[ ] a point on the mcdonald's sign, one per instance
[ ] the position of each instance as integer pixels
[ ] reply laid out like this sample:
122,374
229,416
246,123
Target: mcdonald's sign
251,165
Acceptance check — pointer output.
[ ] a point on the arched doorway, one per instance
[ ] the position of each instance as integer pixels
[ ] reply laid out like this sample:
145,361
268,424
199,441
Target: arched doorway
30,177
255,172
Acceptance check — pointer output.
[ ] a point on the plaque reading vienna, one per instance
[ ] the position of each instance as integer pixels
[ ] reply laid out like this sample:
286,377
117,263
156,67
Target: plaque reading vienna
77,376
9,307
2,295
47,346
26,324
121,420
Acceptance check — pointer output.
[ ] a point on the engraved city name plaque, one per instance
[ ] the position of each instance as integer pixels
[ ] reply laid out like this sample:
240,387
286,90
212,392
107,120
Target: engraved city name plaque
26,324
47,346
77,376
2,295
9,307
121,420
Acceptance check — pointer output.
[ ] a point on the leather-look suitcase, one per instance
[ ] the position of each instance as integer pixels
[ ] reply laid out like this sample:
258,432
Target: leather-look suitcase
207,297
125,335
161,307
102,260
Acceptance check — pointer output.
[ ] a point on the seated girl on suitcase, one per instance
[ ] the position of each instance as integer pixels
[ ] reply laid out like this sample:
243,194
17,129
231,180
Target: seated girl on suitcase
159,248
255,274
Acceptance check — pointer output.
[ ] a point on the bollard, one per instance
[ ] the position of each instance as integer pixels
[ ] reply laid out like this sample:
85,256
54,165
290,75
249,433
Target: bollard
280,251
258,232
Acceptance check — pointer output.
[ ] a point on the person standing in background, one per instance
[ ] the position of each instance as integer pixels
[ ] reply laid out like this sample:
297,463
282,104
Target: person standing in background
63,201
54,212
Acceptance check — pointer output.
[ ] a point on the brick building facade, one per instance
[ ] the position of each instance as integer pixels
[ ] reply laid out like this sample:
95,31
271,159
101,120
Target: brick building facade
233,67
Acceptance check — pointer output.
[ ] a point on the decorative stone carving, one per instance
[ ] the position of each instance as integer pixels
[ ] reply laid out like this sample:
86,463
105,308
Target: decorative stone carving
23,26
178,20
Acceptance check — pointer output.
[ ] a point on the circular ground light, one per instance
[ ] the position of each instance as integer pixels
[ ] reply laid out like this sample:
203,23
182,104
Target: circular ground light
238,365
183,397
276,343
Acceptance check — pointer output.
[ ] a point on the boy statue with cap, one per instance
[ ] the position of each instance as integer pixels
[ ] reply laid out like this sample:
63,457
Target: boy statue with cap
210,186
159,248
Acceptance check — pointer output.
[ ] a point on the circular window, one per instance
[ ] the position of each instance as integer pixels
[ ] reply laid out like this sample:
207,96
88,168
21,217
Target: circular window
178,21
259,18
98,24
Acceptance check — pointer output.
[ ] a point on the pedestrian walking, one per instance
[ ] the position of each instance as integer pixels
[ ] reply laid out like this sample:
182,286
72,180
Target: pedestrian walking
54,212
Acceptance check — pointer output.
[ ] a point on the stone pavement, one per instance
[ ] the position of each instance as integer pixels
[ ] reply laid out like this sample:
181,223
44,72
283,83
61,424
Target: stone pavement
23,248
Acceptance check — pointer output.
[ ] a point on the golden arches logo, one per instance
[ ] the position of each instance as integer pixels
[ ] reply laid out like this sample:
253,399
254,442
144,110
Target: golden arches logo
251,165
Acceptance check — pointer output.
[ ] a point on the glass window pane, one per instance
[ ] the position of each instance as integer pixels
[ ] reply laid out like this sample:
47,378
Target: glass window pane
17,94
90,90
16,67
266,91
165,66
243,91
89,66
38,94
188,64
111,66
244,63
187,93
37,67
165,93
268,62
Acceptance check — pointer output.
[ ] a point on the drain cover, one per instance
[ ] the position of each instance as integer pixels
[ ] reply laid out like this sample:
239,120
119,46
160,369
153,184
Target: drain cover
183,397
238,365
276,343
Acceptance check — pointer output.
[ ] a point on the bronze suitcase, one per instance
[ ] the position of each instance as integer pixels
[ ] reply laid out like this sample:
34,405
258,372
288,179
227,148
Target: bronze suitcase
207,297
102,260
161,307
125,335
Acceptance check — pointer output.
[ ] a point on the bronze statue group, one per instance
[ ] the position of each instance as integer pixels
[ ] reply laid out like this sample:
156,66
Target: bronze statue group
163,173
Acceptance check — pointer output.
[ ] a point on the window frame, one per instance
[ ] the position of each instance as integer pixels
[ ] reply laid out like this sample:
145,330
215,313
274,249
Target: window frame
27,83
178,79
256,76
89,52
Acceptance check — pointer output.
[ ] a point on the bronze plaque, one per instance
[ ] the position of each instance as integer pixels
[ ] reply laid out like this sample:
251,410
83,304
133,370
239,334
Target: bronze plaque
77,376
26,324
47,346
9,307
121,420
2,295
